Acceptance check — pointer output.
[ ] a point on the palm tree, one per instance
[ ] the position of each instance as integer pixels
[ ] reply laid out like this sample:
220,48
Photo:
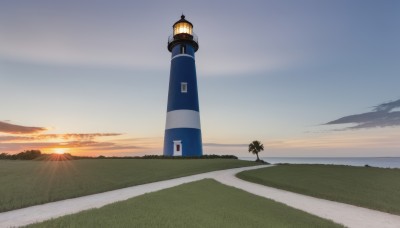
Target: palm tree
255,147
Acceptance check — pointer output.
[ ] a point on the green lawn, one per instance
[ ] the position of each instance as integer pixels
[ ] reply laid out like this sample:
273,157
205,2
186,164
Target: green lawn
374,188
26,183
205,203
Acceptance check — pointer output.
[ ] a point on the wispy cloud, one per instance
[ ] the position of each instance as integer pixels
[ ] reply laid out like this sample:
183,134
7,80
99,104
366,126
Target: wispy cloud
224,145
116,147
20,146
387,107
41,137
19,129
74,146
74,136
16,138
90,144
10,138
382,115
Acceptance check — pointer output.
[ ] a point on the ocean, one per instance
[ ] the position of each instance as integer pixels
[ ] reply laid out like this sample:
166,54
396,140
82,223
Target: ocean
382,162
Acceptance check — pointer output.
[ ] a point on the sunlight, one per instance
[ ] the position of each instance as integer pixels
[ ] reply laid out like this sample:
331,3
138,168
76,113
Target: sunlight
60,150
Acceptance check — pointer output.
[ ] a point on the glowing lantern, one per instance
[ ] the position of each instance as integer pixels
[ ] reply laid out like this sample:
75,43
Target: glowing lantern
183,26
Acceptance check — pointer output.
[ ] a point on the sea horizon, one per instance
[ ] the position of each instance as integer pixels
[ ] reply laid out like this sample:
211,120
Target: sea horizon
381,162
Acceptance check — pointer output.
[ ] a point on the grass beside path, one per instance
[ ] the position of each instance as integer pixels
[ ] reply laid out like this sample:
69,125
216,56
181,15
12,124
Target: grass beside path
204,203
374,188
27,183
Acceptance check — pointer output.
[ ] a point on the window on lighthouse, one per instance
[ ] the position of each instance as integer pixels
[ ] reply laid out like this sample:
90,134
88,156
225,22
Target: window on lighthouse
183,87
183,49
177,148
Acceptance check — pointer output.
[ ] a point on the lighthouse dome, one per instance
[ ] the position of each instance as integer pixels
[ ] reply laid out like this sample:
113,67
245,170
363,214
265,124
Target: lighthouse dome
183,26
183,33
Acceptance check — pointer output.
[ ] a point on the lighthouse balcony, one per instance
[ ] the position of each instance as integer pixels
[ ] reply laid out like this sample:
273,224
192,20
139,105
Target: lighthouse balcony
181,38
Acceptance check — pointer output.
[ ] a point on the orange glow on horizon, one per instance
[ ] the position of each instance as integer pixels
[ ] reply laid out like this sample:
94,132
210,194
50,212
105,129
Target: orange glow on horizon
60,150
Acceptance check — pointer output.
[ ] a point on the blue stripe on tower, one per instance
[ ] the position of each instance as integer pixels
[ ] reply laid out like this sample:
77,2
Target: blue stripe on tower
183,69
182,130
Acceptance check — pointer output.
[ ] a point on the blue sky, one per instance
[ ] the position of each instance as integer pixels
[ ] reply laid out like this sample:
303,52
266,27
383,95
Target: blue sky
93,75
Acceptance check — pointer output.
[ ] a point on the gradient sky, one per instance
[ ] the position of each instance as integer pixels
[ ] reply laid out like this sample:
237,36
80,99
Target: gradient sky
91,77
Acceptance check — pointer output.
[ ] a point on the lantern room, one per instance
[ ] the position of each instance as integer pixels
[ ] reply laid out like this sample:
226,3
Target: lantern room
183,33
183,26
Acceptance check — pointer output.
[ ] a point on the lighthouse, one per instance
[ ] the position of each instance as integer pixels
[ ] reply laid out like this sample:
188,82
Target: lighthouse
182,129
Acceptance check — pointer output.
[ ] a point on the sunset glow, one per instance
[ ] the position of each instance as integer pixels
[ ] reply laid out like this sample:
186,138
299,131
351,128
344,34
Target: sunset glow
60,150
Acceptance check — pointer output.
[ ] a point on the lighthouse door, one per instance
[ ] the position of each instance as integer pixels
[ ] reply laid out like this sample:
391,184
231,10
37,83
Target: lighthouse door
178,148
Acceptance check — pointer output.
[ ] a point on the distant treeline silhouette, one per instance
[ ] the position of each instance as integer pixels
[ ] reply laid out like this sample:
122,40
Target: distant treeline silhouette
37,155
26,155
211,156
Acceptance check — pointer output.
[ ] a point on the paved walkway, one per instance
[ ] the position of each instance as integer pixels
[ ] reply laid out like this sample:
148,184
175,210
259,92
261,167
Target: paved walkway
348,215
28,215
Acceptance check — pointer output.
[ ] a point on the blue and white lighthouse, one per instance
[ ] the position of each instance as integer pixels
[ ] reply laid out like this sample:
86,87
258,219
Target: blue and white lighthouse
182,130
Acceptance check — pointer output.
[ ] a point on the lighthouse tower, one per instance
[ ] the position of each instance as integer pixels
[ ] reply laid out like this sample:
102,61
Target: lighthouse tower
182,130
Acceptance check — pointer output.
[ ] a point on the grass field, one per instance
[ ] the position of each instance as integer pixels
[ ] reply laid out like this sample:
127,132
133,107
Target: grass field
26,183
205,203
374,188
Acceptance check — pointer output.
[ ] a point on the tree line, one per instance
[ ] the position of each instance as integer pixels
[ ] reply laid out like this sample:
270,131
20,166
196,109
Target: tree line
37,155
25,155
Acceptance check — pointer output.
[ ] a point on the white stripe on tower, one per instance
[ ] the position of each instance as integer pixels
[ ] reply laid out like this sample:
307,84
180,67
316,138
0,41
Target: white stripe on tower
183,119
182,55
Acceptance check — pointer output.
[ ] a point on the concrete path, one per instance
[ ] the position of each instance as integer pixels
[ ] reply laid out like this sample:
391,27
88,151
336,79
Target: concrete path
345,214
348,215
28,215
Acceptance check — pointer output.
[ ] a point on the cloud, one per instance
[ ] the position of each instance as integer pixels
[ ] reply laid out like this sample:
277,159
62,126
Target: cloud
38,137
18,129
18,147
224,145
19,138
74,146
116,147
75,136
387,107
381,116
76,143
14,138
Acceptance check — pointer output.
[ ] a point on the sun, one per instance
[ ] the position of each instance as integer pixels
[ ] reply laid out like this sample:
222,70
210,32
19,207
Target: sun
60,150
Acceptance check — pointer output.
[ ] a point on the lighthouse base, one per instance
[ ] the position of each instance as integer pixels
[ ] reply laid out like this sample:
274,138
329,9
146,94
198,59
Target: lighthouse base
185,142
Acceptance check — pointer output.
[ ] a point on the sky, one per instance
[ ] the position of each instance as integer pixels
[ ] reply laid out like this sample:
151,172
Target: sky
307,78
